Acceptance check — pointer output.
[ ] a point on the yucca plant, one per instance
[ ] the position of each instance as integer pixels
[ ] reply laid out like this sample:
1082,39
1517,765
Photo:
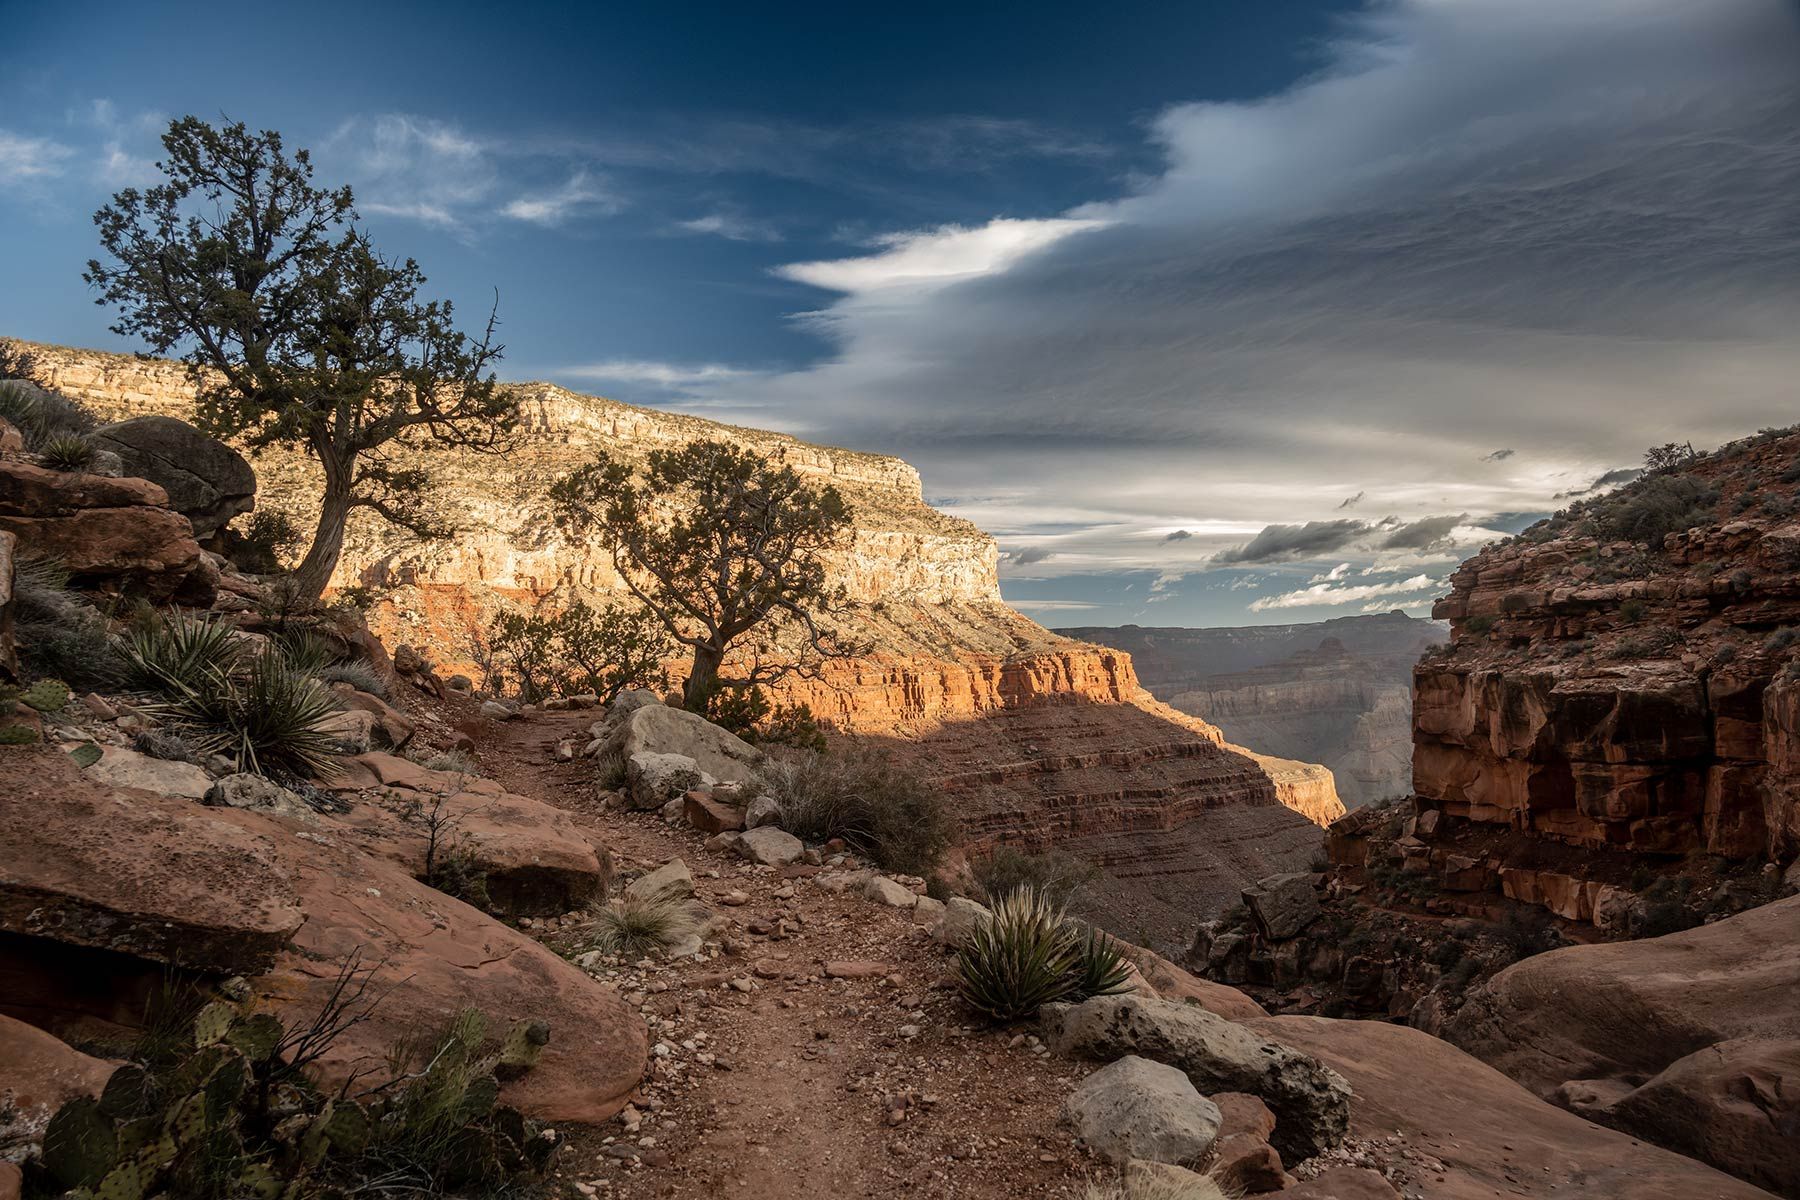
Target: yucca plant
175,656
69,452
269,719
1024,957
633,926
1100,968
306,652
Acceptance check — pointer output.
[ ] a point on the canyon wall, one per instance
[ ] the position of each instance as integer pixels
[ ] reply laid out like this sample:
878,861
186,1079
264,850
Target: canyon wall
1335,692
1044,737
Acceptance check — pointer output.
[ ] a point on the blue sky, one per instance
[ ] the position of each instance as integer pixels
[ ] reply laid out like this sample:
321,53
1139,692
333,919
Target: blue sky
1213,313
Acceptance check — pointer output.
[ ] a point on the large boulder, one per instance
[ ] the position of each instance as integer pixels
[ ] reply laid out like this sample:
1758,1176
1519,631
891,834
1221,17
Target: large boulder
1283,905
232,891
38,1075
1135,1108
107,533
1311,1102
167,777
1491,1135
650,728
1686,1040
653,779
207,481
769,846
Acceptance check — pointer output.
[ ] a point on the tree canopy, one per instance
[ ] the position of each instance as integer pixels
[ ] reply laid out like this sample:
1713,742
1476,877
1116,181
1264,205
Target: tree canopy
296,330
726,549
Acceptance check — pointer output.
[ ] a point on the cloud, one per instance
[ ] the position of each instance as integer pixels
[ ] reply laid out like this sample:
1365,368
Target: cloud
1497,456
936,257
1179,535
661,374
27,158
1383,272
1028,555
1423,534
1332,595
728,226
1052,605
414,168
1609,479
1282,543
1352,501
580,195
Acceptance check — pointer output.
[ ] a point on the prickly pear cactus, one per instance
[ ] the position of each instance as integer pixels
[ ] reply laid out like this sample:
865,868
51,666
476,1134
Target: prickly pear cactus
214,1022
257,1036
18,735
85,755
80,1146
47,695
524,1043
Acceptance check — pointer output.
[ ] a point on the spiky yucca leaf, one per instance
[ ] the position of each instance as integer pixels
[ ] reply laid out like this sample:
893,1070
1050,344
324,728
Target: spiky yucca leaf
175,656
1100,968
270,720
306,652
1021,959
633,925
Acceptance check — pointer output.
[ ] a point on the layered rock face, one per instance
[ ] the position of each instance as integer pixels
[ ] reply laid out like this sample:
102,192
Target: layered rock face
1048,738
1629,692
1337,692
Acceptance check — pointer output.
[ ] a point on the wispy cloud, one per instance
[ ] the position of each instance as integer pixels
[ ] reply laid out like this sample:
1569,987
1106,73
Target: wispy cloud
30,158
936,257
729,226
581,195
1335,595
661,374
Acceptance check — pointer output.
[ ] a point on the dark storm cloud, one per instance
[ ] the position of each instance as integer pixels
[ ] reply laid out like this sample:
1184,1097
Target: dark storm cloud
1423,534
1029,554
1353,501
1497,456
1279,543
1180,535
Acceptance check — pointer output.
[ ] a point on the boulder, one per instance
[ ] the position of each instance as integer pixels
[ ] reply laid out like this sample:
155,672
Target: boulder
763,810
352,730
650,728
769,846
653,779
392,730
1311,1102
962,917
1343,1183
675,812
1283,905
709,815
107,533
208,482
493,710
1246,1166
127,768
883,890
671,881
1491,1134
38,1075
1694,1022
160,878
1135,1108
260,795
927,911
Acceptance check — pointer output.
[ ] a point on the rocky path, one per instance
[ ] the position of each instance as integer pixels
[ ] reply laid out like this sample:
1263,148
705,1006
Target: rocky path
818,1053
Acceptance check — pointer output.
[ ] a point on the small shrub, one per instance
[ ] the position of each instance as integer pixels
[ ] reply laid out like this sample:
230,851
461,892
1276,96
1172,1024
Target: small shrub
633,926
72,452
1100,968
1146,1186
581,649
165,744
877,806
1780,639
175,656
1654,508
790,725
1524,932
609,770
267,542
1020,960
270,719
455,762
358,674
450,863
1478,625
1053,874
1631,611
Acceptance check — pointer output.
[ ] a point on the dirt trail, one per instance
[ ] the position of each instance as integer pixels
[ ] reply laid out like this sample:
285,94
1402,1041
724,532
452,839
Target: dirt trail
771,1079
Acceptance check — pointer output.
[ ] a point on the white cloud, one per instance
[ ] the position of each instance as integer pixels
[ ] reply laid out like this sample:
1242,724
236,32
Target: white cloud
1052,605
29,158
581,195
661,374
1333,595
933,258
729,226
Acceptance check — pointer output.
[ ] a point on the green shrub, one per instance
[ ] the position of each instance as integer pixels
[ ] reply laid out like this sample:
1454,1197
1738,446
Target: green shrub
267,542
58,635
219,1102
1053,874
878,807
174,656
633,926
42,416
1478,625
1023,958
581,650
73,452
268,718
1100,968
1631,611
358,674
1655,507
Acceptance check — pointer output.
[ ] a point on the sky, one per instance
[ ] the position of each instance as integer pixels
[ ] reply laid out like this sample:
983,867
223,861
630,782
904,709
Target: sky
1212,313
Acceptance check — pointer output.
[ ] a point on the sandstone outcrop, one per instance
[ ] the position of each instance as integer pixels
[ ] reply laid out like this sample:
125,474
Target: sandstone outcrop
107,533
1691,1040
207,481
102,888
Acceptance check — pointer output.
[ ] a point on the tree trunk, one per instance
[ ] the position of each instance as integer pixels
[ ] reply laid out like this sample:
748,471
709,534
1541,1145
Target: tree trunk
702,678
314,571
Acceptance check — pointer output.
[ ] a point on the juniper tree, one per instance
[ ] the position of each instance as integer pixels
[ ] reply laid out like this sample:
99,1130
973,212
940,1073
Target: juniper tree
726,549
295,330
